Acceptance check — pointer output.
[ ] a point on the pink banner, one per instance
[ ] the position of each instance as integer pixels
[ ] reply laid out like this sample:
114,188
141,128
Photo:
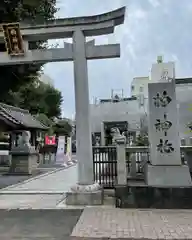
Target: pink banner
50,140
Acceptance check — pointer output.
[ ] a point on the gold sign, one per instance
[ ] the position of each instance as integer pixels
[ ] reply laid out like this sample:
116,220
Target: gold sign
13,39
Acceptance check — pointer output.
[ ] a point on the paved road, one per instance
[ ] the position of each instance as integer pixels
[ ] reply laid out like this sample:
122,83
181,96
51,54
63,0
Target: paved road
7,179
32,201
37,224
60,180
44,192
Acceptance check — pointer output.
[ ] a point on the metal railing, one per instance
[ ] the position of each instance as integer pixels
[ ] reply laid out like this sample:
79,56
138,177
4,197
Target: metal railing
105,162
47,154
105,165
136,158
46,158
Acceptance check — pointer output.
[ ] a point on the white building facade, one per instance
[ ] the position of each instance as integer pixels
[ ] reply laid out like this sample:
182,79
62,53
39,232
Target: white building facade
126,112
134,110
139,86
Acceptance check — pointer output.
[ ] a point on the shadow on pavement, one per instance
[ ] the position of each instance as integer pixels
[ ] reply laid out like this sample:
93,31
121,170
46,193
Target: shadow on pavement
38,224
7,179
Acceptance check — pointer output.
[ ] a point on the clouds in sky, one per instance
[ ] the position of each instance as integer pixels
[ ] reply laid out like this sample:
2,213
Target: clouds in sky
151,28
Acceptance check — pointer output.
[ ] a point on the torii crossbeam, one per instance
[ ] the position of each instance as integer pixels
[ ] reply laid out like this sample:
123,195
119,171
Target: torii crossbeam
61,54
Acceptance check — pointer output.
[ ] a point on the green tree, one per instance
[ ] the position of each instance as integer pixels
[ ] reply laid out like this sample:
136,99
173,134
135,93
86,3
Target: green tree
62,127
30,12
53,100
47,122
44,119
38,98
142,140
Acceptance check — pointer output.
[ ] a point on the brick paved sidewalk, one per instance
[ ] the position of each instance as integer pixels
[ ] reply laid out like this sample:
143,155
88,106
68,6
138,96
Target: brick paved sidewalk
109,223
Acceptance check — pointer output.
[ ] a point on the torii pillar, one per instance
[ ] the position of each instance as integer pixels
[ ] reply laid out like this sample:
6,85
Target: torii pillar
83,127
86,192
86,189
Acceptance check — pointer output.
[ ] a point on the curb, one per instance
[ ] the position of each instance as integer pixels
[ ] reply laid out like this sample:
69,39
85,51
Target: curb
24,192
33,178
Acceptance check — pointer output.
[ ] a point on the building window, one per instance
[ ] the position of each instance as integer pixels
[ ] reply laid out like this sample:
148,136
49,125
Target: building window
132,88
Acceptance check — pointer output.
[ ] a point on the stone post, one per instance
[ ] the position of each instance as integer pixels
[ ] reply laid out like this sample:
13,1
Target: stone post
133,170
121,162
83,127
166,168
85,192
102,134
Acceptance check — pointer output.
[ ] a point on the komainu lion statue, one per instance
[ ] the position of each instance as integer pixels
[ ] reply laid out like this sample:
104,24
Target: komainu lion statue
117,136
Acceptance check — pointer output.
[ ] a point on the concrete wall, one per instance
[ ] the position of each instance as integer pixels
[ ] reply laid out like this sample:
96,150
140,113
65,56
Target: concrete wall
120,111
131,111
184,98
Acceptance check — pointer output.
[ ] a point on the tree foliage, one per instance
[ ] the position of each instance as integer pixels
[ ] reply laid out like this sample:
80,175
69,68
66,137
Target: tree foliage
44,120
62,127
47,122
59,127
142,140
25,12
38,98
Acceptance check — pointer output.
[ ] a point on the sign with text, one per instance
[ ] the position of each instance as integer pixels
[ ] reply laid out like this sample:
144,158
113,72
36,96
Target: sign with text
13,39
50,140
60,155
163,124
69,149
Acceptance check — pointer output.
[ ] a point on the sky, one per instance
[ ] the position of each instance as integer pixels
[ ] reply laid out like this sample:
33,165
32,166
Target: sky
151,28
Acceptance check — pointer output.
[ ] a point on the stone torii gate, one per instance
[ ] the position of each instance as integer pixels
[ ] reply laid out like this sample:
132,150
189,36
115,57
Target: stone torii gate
79,52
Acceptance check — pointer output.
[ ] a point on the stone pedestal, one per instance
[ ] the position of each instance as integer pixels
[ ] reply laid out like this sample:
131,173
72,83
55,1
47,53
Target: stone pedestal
24,156
168,176
85,195
85,198
123,197
23,162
